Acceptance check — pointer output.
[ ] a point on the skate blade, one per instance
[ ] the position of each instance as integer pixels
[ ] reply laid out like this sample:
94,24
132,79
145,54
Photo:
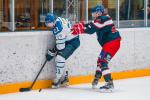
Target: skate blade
55,87
106,90
65,84
94,86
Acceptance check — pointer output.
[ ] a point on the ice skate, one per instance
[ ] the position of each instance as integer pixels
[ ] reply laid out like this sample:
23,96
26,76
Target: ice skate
96,79
107,88
65,80
62,82
56,84
95,82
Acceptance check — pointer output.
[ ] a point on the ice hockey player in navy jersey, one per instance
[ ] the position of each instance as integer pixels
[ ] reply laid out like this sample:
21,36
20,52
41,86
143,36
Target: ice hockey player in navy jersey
108,37
66,44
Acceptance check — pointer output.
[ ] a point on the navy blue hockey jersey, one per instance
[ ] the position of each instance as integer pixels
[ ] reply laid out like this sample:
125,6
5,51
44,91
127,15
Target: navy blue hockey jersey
104,28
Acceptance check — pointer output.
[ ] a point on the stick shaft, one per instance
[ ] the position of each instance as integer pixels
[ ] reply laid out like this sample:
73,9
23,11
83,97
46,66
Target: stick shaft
38,74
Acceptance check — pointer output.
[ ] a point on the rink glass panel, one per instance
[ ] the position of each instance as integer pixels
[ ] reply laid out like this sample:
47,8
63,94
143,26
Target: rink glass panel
131,13
69,9
5,22
148,13
30,14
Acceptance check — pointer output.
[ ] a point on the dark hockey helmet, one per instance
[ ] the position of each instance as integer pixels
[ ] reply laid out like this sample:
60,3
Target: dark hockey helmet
98,8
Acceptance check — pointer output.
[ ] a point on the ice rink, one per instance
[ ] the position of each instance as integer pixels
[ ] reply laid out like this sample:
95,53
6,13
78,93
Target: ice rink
127,89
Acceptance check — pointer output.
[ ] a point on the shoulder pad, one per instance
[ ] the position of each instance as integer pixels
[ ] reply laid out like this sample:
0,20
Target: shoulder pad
103,18
58,27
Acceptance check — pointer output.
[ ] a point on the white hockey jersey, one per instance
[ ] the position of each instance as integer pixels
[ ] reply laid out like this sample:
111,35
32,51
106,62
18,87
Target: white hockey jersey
63,28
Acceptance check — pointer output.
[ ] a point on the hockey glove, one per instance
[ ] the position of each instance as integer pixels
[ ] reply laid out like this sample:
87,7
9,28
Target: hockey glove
78,28
50,54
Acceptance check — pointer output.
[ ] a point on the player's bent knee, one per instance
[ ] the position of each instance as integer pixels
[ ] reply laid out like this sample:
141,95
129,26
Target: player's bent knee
104,66
60,58
60,61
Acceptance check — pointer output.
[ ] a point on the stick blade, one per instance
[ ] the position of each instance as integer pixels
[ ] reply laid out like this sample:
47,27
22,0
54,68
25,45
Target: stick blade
24,89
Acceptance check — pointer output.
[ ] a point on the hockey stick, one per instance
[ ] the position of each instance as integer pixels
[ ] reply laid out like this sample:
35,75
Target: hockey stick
29,88
47,59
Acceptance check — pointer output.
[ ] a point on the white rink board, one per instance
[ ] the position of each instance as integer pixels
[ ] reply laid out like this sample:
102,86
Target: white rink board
22,54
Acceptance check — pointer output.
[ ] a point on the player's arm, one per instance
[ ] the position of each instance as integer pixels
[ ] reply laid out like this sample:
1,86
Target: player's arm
60,36
89,28
81,28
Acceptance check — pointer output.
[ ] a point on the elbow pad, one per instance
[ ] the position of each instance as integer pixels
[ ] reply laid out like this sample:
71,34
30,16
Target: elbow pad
60,41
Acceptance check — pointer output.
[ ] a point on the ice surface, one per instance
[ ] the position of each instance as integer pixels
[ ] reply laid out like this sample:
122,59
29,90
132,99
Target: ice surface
127,89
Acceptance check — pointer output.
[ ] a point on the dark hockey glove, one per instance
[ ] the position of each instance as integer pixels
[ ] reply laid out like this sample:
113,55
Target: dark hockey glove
50,54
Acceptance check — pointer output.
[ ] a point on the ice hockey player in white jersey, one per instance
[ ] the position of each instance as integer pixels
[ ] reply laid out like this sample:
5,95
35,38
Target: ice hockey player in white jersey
66,44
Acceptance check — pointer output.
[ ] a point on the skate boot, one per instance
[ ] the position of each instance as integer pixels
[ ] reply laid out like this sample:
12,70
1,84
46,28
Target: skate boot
60,83
56,83
96,79
65,80
108,87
